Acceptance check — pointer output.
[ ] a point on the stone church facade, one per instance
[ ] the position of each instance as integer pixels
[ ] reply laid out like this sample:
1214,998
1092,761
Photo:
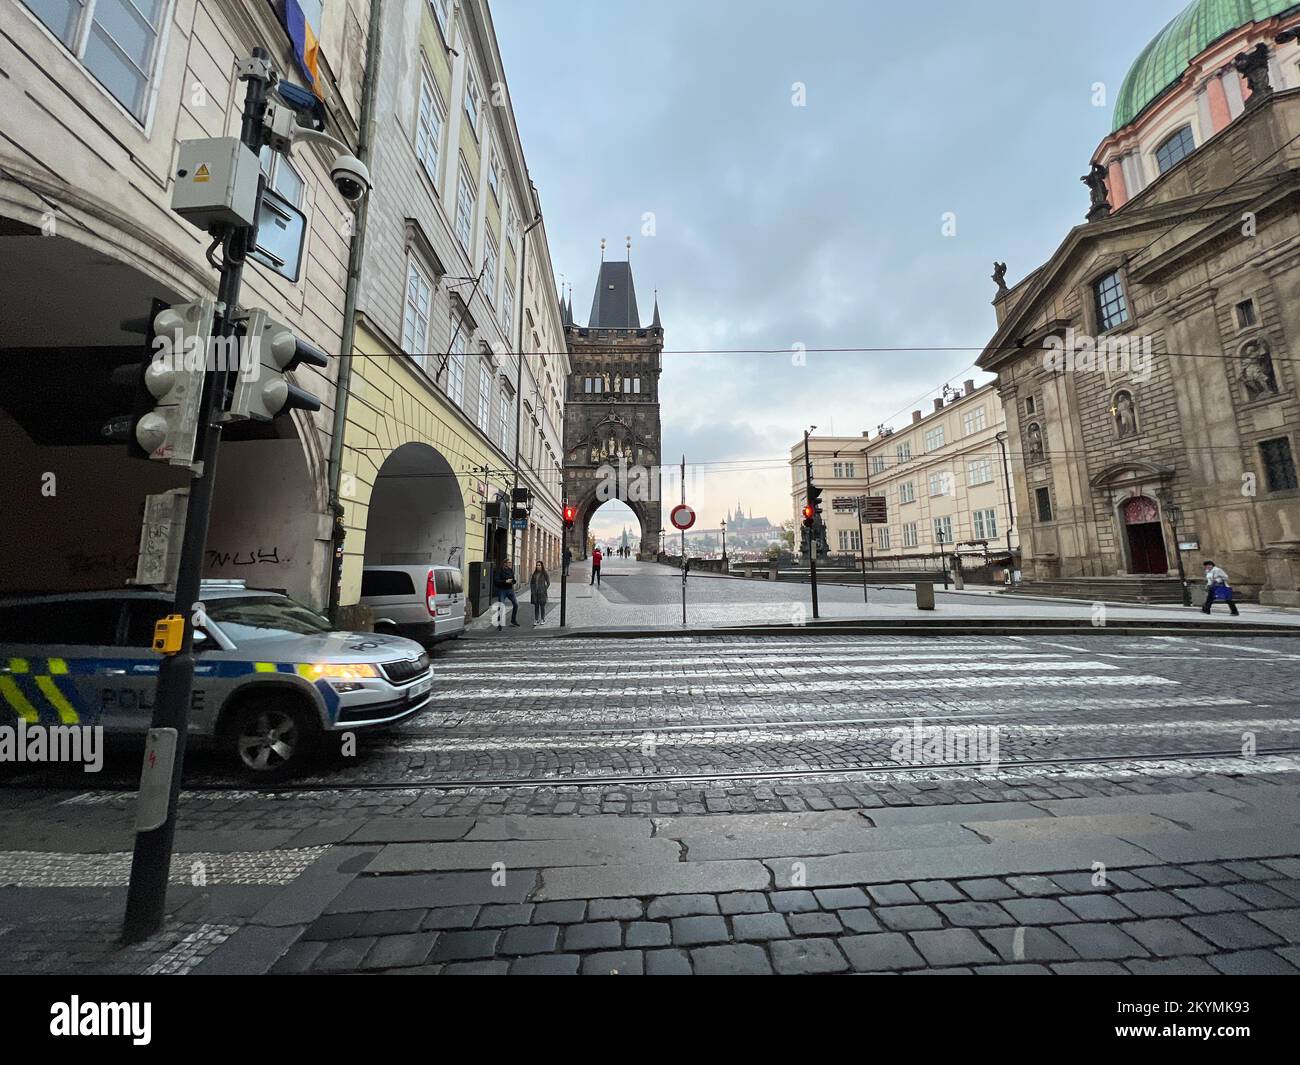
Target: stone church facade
1149,369
611,415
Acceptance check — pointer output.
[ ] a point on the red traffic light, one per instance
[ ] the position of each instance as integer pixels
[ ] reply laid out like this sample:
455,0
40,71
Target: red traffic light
809,514
569,514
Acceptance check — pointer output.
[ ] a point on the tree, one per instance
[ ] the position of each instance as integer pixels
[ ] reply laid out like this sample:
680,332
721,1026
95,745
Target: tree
787,535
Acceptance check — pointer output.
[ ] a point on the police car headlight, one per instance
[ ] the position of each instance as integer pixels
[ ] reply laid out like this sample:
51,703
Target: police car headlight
342,671
345,686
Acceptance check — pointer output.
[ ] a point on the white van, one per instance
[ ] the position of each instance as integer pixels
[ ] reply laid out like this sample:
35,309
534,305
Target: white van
424,603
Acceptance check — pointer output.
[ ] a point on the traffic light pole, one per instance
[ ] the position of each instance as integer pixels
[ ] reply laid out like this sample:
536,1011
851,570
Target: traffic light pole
862,548
151,861
812,532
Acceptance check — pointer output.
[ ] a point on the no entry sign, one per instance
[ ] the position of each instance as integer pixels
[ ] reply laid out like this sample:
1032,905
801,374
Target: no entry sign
682,517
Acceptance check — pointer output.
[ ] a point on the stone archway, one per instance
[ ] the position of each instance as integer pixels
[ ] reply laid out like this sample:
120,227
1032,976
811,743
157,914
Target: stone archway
1144,536
647,545
417,512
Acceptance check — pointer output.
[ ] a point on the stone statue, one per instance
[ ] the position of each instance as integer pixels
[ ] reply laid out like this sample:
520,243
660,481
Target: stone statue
1000,279
1256,369
1035,442
605,378
1125,415
1095,179
1253,66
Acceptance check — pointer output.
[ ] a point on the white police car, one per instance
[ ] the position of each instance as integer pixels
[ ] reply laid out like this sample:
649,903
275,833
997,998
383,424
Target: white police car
271,678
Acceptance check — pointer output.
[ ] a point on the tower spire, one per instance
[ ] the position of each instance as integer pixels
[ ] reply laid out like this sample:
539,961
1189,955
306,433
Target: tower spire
655,323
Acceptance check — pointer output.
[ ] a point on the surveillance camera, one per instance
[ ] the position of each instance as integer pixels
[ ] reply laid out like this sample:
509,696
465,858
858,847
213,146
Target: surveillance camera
350,177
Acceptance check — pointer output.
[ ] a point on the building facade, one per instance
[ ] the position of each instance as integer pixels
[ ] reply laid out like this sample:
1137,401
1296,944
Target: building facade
1147,367
943,478
611,420
96,96
456,282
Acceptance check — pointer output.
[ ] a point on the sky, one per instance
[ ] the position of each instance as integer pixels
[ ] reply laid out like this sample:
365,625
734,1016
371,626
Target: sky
786,170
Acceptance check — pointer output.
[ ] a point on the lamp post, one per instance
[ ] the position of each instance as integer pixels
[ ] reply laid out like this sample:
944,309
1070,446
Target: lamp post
1001,438
724,541
1175,512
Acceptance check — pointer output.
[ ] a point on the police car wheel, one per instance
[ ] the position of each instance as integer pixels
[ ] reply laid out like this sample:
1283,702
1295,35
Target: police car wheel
271,738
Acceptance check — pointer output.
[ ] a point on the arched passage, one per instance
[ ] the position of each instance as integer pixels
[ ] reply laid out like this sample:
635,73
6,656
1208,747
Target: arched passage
417,512
646,539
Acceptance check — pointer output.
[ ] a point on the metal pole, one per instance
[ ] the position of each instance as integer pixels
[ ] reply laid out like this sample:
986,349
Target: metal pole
519,375
683,543
862,543
1011,514
564,565
812,532
146,896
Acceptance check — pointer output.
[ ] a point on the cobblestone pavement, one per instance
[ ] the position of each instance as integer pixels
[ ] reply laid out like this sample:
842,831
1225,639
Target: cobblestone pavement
729,804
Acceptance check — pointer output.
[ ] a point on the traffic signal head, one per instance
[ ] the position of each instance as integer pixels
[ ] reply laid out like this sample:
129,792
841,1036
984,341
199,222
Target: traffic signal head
809,515
167,383
569,514
268,350
815,500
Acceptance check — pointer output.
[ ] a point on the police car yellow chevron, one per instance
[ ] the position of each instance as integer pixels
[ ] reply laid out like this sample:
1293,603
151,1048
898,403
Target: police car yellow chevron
272,677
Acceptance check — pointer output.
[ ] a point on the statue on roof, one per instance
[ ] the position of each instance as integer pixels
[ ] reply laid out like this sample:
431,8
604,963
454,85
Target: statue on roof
1253,66
1095,179
1000,279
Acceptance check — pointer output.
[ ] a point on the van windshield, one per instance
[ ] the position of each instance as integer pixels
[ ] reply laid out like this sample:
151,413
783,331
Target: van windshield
268,618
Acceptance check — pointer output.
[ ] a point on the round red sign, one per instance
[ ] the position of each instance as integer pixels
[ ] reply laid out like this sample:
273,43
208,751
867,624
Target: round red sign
682,517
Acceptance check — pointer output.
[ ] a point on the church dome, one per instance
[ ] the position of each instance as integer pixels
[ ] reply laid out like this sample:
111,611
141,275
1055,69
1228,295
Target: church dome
1164,60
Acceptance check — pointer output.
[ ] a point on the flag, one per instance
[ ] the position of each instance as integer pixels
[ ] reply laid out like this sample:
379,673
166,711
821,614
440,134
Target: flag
301,19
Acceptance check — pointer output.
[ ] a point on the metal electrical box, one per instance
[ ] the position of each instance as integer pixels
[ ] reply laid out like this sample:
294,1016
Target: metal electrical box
216,183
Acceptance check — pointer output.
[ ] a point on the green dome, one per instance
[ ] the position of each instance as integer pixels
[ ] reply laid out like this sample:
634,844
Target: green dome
1164,60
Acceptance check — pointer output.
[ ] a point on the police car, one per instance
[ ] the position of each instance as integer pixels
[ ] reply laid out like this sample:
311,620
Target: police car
271,677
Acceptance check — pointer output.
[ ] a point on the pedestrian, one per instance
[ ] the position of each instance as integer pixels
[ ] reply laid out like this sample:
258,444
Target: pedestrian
1217,589
595,567
568,557
505,589
538,583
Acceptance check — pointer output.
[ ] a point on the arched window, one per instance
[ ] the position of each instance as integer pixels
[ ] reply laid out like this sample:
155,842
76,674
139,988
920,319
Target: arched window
1174,148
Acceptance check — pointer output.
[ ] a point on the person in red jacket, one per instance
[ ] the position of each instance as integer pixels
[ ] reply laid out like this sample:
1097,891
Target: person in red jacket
596,556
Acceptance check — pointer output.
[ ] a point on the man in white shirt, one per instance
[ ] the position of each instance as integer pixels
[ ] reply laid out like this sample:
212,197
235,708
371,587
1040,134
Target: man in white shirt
1216,577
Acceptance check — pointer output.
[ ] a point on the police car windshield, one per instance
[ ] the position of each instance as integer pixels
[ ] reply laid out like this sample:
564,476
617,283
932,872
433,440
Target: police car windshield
265,619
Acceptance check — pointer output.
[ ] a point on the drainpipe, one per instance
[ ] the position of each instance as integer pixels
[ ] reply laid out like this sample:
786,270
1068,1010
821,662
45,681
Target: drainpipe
519,363
355,255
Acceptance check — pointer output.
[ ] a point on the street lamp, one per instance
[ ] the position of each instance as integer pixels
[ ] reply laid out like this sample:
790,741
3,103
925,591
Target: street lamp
1175,512
724,540
1001,438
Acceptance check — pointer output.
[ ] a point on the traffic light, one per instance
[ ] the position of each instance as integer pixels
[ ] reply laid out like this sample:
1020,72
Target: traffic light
809,515
268,351
815,501
167,383
570,513
523,500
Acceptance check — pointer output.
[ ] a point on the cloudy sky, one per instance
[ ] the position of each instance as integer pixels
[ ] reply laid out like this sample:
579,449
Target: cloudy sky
776,225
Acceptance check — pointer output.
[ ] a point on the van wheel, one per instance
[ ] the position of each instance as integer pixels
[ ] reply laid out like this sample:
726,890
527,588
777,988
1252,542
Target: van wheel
271,738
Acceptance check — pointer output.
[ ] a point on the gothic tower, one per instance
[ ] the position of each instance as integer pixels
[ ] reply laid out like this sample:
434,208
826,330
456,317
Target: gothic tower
611,413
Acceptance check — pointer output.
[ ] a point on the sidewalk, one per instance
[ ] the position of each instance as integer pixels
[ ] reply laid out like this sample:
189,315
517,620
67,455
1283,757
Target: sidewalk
1197,876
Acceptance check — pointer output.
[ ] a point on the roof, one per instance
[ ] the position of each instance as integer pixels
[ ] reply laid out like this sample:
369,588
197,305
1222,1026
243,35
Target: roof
613,306
1162,62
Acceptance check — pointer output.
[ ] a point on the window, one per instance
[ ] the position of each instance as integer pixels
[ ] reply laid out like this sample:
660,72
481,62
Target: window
943,530
1029,405
489,285
386,582
456,363
282,177
1279,465
484,397
588,384
1175,148
909,534
934,438
1043,503
907,492
508,309
78,621
877,463
428,128
986,524
973,421
440,13
512,223
494,176
939,483
415,319
845,469
979,471
882,537
904,452
115,40
1246,314
473,100
505,422
850,540
465,210
1112,307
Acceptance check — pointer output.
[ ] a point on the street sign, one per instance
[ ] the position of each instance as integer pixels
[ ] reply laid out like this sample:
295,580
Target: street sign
844,503
519,523
875,510
682,517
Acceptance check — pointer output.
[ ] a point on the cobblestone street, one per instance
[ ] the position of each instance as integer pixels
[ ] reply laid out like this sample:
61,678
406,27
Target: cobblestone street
730,804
